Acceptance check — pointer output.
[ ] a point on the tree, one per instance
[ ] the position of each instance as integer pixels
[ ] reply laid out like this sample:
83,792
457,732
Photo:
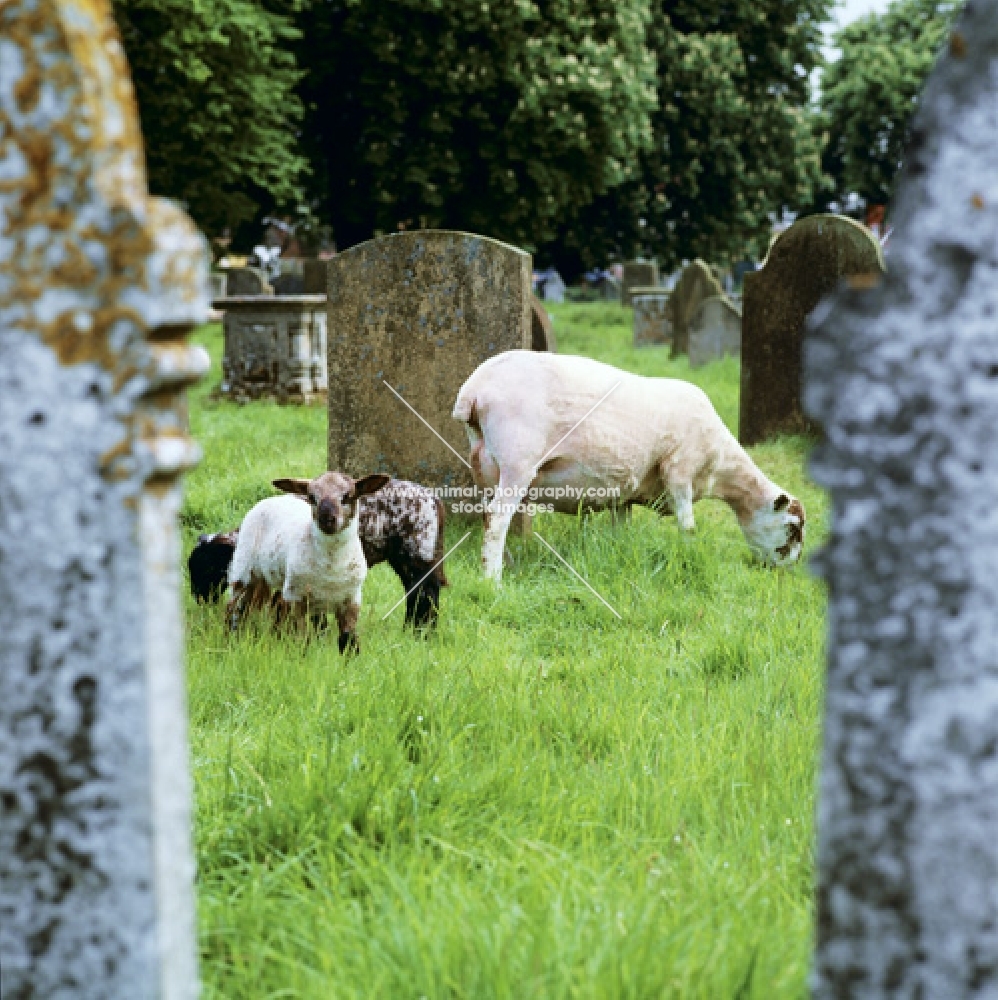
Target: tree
732,143
214,80
870,92
498,116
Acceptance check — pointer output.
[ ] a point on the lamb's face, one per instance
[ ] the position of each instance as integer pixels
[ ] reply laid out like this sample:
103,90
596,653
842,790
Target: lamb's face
775,532
333,497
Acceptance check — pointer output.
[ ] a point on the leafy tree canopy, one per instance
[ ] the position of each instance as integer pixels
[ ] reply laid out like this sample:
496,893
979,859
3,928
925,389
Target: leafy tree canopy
870,92
496,116
215,84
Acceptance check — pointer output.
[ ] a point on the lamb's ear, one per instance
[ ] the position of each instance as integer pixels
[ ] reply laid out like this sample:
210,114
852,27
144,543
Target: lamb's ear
299,487
781,501
367,485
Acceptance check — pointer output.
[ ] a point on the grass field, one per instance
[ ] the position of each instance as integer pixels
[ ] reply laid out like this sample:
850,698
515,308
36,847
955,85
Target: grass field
540,800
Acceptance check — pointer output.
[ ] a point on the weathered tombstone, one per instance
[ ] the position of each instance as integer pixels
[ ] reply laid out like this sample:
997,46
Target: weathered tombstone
554,287
715,331
100,284
248,281
652,325
542,336
637,274
275,347
415,313
904,381
314,276
804,263
609,289
218,283
696,284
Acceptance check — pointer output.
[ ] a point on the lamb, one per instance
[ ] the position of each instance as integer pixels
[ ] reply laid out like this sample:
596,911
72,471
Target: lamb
538,423
312,558
402,524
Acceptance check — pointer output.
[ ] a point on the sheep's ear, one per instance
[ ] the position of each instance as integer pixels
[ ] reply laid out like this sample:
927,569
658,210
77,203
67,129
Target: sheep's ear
367,485
297,486
781,501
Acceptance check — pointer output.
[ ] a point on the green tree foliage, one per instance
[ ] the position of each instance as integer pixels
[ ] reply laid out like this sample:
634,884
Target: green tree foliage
733,143
215,84
496,116
870,92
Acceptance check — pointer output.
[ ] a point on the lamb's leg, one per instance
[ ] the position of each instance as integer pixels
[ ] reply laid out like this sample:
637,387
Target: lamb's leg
346,618
513,485
682,503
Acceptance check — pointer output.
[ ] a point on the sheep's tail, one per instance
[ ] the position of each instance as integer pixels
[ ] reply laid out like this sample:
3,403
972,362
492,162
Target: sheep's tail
438,549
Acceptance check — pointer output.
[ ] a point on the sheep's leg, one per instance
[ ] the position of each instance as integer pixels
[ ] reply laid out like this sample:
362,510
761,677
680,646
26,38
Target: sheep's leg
245,598
498,515
346,618
682,503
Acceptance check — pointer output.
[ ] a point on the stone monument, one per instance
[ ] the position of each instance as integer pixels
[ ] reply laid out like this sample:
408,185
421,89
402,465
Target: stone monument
637,274
652,323
715,331
804,263
904,381
411,316
247,281
696,284
542,336
99,285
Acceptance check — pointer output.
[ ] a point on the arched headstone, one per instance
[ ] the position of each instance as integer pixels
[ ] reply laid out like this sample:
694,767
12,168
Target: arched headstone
715,331
804,263
696,284
98,287
904,380
542,336
412,315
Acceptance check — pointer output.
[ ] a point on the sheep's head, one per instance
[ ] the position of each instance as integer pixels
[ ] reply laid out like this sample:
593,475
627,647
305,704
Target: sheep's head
775,531
333,496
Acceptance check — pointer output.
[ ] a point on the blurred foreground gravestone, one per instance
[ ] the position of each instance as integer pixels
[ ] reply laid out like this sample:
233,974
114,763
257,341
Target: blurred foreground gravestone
904,381
696,284
804,264
715,331
98,288
412,315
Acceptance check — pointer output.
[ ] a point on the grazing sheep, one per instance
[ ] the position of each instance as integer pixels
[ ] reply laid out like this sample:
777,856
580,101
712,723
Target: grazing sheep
539,423
402,524
310,555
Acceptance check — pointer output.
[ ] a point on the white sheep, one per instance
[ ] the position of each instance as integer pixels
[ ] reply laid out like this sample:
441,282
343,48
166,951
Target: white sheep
304,560
538,423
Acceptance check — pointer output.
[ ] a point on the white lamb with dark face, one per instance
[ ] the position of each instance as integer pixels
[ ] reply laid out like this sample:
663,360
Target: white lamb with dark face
542,421
305,559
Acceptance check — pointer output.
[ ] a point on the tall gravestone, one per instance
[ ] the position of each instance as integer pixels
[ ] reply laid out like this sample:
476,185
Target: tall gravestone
904,381
715,331
99,285
804,263
696,284
412,315
637,274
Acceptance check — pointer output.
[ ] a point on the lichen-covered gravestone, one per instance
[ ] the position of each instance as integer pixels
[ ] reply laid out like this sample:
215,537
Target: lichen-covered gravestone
98,286
696,284
804,264
637,274
652,325
715,331
415,314
904,381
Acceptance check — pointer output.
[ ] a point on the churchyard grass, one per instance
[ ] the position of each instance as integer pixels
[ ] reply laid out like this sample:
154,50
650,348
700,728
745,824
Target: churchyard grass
541,799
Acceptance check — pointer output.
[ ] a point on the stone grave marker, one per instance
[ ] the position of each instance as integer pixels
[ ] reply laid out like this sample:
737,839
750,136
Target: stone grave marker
637,274
218,284
696,284
414,314
804,263
314,276
542,336
903,378
248,281
715,331
99,286
652,322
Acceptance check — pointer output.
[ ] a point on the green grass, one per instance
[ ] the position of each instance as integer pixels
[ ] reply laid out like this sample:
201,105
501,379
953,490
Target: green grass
540,800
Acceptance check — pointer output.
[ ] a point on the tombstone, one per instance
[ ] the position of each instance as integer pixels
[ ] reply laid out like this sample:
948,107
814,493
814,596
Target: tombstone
902,378
696,284
715,331
99,287
274,348
805,263
652,323
554,287
248,281
637,274
218,282
314,277
609,289
415,313
288,284
542,336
